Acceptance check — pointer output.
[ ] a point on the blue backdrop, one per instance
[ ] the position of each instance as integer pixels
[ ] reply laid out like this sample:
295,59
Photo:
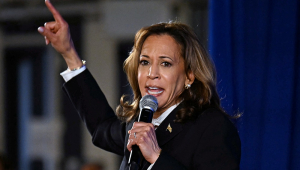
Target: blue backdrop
256,49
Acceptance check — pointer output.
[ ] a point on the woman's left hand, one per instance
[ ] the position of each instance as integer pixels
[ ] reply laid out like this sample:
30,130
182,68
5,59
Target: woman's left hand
145,139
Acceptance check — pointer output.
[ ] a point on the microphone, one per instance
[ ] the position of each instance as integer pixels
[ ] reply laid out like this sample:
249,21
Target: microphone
148,105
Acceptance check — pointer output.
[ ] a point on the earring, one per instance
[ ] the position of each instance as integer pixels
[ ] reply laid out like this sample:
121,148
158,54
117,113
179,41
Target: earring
187,86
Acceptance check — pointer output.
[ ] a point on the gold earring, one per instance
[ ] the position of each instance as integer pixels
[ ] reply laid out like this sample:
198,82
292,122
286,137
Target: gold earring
187,86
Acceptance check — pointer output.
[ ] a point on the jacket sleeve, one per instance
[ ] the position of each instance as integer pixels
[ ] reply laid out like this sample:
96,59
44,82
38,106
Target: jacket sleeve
106,130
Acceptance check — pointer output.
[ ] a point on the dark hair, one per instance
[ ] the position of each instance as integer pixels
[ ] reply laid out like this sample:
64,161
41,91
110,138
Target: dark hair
203,91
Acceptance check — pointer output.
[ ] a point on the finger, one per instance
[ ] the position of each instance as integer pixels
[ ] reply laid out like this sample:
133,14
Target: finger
141,124
55,13
132,135
50,25
143,127
46,33
41,30
135,130
47,41
137,125
129,144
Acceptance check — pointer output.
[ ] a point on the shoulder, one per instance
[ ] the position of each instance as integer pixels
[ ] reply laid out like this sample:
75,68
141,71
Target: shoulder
213,115
214,121
221,136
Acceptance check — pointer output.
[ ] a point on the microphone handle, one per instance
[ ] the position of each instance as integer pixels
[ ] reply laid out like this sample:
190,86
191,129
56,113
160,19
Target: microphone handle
136,156
134,166
146,115
135,159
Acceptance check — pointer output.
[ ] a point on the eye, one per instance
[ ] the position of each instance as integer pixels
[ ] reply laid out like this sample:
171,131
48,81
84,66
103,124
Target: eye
166,64
144,62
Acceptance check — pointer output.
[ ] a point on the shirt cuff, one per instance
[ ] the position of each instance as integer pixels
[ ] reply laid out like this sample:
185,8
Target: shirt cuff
68,74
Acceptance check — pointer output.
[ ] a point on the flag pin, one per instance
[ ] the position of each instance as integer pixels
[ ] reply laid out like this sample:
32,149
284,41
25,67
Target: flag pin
169,128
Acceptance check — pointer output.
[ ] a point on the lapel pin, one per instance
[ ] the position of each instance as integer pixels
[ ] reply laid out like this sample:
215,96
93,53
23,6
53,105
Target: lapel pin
169,128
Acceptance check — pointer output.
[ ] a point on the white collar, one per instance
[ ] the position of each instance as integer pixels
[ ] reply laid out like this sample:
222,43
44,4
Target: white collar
162,117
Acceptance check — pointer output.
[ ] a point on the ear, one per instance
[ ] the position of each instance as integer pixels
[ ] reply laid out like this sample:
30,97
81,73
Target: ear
190,78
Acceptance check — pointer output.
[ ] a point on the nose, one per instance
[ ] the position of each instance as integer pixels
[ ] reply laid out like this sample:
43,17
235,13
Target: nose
153,72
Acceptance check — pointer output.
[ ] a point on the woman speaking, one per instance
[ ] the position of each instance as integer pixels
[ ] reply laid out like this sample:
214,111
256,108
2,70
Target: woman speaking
189,129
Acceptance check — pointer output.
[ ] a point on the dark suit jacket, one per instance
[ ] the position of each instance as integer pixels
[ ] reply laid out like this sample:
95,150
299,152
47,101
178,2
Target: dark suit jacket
209,142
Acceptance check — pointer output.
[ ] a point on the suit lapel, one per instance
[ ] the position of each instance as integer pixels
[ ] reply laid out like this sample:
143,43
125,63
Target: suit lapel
168,128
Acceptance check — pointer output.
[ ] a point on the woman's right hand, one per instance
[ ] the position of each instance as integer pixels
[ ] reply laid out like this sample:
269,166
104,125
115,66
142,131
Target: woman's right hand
57,33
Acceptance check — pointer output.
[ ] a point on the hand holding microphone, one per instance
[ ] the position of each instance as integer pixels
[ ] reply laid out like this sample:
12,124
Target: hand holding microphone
142,135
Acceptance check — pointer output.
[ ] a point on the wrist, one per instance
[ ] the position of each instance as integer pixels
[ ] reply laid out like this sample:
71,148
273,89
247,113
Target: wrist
74,69
156,156
72,60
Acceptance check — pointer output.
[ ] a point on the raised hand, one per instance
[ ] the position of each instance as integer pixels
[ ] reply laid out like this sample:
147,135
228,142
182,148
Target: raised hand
58,35
143,135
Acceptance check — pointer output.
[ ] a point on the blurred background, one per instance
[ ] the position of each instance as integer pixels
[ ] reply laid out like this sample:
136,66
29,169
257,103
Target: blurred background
254,44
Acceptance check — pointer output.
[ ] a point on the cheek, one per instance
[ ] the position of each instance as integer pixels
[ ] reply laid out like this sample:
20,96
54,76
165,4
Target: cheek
140,79
174,76
178,83
142,74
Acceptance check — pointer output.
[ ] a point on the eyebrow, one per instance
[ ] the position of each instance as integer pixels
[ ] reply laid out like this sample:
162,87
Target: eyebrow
162,57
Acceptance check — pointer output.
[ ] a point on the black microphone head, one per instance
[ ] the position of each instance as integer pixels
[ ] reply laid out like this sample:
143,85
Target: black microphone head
148,102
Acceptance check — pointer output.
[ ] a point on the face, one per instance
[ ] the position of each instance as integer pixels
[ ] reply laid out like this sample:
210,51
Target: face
161,71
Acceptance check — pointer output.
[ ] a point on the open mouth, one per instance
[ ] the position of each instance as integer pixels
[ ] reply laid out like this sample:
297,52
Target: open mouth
154,90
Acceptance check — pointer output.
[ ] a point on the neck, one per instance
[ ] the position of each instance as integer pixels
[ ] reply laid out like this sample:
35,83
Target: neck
158,113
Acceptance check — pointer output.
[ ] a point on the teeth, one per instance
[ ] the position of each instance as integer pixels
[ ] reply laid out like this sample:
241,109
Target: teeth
154,90
152,93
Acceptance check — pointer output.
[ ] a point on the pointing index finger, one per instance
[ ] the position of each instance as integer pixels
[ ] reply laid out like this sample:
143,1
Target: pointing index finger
54,12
